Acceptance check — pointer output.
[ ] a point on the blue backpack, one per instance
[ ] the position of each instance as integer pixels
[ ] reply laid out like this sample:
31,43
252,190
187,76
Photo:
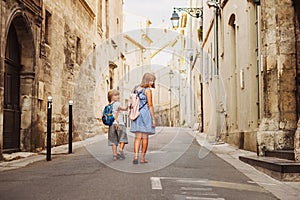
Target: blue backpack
107,116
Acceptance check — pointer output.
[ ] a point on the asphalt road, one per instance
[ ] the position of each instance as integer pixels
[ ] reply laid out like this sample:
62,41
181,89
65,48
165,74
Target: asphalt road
175,171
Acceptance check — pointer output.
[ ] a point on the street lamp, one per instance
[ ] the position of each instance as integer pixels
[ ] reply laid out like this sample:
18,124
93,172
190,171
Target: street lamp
214,4
175,19
194,12
171,74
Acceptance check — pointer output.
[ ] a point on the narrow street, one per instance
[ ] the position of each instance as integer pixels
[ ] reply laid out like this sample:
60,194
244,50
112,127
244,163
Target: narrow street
175,171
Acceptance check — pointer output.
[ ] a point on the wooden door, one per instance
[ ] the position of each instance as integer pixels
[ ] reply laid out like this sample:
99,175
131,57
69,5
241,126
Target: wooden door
11,122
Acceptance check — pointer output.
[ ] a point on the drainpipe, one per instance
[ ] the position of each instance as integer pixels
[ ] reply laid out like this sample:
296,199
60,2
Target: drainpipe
216,38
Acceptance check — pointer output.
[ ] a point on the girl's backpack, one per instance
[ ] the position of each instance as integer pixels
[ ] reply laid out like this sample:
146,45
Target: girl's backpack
134,105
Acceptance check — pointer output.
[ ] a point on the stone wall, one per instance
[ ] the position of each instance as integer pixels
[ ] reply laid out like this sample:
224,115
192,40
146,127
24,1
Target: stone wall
26,17
279,117
297,134
59,40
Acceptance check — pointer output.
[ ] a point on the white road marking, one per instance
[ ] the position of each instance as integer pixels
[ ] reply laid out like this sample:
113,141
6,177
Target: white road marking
203,198
261,183
196,189
156,184
182,197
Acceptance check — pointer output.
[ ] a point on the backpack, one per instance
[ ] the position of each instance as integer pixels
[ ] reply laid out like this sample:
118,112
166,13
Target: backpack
107,115
134,105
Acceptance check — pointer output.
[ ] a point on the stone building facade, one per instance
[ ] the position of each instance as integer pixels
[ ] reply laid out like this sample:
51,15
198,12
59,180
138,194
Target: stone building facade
21,24
230,75
45,46
257,100
280,64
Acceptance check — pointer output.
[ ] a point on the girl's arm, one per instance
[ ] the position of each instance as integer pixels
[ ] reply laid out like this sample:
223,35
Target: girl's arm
148,94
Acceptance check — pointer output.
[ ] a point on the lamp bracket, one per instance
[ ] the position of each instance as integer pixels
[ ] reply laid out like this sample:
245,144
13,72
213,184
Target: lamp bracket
194,12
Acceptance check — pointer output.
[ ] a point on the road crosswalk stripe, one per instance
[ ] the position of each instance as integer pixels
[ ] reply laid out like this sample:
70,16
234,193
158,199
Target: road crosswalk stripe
156,184
196,189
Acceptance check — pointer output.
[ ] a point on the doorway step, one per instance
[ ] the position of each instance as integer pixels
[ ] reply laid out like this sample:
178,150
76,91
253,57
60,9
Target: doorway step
279,164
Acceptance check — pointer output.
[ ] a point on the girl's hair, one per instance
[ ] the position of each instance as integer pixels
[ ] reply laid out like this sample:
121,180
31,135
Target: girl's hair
112,93
146,79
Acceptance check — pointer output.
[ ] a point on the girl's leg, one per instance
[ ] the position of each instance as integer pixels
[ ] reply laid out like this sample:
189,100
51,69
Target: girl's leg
144,147
137,143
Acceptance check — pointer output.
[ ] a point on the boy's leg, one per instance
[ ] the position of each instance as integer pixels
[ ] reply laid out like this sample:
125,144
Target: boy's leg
123,139
122,145
121,150
114,149
113,140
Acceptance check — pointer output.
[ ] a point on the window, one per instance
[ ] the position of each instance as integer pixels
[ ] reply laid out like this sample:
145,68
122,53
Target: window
47,27
99,18
78,50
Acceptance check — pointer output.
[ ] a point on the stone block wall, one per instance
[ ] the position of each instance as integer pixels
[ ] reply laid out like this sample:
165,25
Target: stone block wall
279,116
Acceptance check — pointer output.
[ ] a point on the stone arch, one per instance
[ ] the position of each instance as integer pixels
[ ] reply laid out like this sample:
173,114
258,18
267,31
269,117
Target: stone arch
25,38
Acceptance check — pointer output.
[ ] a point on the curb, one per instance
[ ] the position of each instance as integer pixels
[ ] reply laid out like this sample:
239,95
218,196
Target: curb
230,154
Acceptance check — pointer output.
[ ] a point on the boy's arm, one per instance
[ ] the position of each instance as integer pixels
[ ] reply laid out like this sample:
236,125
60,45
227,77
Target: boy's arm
123,108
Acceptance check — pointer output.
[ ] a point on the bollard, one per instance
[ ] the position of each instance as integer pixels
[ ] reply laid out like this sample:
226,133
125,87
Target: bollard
70,126
49,117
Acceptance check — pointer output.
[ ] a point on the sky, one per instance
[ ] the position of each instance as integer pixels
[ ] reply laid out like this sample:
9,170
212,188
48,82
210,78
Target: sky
136,12
159,12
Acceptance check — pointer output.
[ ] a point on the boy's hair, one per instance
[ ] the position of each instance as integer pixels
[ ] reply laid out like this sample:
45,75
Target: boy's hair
146,79
111,93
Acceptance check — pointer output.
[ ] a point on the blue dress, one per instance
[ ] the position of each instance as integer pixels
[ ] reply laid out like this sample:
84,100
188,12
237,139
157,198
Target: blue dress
143,123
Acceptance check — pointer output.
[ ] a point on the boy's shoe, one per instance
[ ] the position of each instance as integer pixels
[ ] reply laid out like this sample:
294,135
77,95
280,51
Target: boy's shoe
121,155
115,157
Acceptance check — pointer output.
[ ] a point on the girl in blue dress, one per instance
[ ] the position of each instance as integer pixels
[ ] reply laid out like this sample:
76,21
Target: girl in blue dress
144,124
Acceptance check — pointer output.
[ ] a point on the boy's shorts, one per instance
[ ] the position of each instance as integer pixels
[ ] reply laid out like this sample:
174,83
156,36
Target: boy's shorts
117,136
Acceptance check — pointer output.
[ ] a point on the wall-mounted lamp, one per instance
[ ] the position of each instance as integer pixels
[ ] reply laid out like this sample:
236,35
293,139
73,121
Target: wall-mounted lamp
257,2
194,12
214,4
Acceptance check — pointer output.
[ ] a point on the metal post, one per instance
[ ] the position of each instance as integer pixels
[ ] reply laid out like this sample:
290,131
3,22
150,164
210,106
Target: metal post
49,117
170,122
171,73
70,125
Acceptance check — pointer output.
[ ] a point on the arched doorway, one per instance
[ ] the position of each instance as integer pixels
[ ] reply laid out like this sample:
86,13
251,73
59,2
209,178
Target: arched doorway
11,121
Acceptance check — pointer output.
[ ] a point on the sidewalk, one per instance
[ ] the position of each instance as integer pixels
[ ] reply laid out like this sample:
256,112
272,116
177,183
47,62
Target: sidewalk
282,190
22,159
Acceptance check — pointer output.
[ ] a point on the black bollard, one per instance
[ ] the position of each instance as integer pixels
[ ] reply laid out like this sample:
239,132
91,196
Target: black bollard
70,125
49,117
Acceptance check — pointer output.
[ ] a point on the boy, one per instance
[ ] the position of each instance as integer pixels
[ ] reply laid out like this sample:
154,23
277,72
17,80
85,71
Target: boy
117,131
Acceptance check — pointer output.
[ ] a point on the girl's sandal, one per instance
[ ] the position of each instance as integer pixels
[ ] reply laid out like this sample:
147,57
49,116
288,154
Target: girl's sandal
143,161
135,161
